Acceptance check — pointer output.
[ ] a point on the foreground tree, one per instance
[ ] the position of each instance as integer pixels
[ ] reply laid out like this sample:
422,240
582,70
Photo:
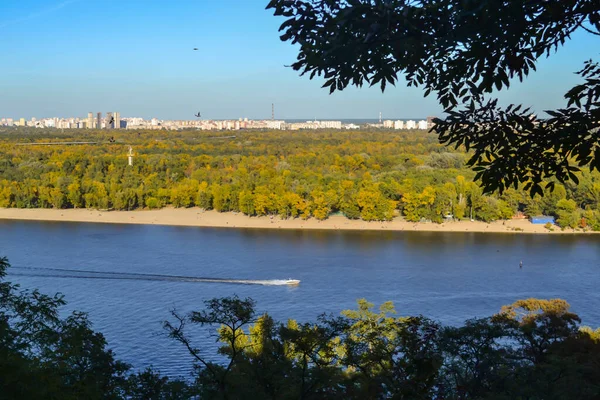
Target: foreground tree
461,51
532,349
230,315
43,356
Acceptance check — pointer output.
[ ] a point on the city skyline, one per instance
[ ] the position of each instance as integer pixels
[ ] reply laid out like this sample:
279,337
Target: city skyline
238,70
114,120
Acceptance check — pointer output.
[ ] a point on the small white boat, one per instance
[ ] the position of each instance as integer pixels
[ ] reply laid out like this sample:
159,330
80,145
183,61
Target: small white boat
292,282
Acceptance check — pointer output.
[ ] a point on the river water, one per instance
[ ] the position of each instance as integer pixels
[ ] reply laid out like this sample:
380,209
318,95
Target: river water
135,274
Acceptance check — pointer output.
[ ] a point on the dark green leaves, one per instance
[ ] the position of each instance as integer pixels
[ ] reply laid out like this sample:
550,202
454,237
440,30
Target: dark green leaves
460,50
443,45
510,146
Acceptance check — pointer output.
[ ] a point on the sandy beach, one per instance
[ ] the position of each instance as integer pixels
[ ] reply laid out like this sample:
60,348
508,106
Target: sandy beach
198,217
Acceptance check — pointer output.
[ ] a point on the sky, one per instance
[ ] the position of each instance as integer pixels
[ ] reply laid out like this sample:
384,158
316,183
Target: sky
67,58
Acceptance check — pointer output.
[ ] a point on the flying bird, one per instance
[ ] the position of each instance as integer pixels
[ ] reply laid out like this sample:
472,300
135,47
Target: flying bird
195,48
198,115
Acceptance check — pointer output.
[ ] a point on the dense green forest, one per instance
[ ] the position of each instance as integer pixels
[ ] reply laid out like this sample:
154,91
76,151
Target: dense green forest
372,175
532,349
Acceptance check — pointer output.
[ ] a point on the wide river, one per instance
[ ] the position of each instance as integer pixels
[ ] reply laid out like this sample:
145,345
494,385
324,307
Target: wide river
449,277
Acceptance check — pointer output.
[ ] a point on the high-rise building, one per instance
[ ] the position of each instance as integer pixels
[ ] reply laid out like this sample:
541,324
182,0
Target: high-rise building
99,120
117,120
109,120
90,121
398,124
430,122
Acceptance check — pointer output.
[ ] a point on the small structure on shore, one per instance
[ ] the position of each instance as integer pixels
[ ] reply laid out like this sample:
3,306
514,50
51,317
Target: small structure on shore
542,220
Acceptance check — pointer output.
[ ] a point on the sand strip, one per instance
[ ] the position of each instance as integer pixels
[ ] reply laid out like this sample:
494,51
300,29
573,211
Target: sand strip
198,217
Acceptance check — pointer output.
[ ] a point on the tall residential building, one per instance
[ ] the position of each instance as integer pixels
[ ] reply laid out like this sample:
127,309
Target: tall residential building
99,120
411,124
90,121
330,124
430,122
117,120
109,120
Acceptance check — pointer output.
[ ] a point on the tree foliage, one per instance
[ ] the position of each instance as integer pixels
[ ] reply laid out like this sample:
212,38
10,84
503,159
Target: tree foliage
462,51
368,175
44,356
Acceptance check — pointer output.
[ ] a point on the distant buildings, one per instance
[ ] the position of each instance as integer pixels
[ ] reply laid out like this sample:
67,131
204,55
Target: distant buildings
109,121
314,125
430,123
113,120
397,125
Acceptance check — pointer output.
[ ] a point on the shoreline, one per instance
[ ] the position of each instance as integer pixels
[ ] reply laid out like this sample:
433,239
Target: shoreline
213,219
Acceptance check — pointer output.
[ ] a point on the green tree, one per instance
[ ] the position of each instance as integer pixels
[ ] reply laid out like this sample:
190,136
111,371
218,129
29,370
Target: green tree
44,356
152,203
149,384
568,214
320,206
57,198
6,195
374,206
231,314
391,357
204,198
418,206
246,202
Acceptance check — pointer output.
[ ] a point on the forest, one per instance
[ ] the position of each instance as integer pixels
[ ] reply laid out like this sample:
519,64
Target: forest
374,175
532,349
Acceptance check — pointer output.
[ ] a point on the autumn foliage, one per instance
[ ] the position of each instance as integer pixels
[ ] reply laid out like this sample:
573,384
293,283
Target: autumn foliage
369,175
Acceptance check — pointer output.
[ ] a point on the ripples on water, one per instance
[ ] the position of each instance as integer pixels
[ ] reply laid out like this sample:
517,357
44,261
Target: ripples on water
128,277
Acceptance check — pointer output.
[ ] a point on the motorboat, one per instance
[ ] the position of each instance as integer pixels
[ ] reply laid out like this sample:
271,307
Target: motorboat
292,282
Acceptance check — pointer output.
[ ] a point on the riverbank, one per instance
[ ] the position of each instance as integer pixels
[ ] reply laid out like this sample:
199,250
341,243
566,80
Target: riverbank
198,217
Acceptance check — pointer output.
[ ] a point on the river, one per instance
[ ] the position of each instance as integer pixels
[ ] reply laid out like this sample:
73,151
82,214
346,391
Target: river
449,277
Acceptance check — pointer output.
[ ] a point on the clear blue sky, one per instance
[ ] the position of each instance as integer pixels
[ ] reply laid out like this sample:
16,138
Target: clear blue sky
65,58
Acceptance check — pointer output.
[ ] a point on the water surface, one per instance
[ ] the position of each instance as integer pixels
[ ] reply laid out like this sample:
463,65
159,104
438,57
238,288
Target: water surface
449,277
